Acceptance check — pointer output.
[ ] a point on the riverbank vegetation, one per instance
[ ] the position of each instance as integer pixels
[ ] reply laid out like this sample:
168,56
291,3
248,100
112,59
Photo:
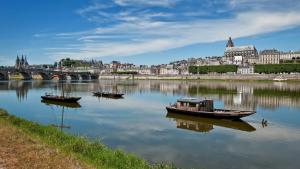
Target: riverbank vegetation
277,68
91,153
210,69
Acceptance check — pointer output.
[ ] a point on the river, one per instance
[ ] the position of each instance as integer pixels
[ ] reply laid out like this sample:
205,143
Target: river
139,123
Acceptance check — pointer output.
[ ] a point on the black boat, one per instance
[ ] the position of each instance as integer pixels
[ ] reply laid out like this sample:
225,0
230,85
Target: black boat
62,97
108,95
65,99
205,108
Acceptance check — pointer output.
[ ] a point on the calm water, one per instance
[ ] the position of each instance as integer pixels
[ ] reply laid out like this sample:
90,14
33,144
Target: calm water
140,124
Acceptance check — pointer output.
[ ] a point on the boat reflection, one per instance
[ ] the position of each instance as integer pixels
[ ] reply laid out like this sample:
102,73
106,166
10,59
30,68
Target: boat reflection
201,124
63,105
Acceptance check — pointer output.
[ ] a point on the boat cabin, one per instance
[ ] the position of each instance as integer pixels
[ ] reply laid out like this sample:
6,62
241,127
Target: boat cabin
192,104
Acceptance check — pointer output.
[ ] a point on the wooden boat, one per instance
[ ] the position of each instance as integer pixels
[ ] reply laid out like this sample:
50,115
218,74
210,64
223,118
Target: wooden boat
64,99
61,98
202,124
205,108
108,95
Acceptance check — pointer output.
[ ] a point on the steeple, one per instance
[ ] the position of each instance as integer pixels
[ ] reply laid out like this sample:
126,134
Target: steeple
26,63
229,43
17,65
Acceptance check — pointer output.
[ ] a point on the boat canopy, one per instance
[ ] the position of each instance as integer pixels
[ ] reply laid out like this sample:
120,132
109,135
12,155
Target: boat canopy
191,100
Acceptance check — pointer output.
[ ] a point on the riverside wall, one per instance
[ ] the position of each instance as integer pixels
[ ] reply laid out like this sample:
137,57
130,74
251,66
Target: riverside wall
252,77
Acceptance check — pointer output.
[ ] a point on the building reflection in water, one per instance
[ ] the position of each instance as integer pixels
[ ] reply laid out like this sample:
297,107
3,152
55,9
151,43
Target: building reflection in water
234,95
21,89
201,124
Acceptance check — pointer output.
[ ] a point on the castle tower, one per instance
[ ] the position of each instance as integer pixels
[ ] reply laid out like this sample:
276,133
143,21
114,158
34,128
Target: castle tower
229,43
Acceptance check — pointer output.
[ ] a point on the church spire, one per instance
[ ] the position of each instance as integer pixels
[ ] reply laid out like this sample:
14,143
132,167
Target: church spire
229,43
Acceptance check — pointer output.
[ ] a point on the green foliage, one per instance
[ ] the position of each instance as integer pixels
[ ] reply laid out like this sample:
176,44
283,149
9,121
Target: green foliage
291,61
276,93
277,68
216,69
198,90
94,153
76,63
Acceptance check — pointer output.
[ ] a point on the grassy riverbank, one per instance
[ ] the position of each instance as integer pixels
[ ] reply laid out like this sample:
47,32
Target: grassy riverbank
93,154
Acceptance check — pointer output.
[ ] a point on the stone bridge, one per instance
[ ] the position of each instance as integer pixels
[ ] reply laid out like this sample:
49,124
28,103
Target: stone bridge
41,74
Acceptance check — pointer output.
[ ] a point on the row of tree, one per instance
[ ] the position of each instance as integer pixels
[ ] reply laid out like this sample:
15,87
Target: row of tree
277,68
209,69
267,68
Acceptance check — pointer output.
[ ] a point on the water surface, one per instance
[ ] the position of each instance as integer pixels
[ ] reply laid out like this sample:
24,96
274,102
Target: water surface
139,123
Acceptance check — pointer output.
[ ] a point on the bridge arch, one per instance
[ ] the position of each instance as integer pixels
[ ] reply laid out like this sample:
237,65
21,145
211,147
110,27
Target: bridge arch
85,77
25,75
45,76
94,77
72,77
3,76
56,76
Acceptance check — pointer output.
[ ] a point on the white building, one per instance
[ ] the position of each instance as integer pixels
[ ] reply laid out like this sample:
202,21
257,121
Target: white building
168,70
144,71
269,57
290,55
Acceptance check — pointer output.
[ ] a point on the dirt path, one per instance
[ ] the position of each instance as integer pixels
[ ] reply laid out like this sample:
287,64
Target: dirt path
19,151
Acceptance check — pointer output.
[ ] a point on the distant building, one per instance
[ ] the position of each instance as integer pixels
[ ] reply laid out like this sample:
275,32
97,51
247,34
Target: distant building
155,69
21,63
269,57
115,65
290,55
240,55
168,70
144,71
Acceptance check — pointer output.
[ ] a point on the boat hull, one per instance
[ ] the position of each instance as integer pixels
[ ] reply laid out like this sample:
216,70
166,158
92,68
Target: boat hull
109,95
218,115
61,99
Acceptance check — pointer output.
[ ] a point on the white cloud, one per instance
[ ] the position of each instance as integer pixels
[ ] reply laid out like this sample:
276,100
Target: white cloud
95,6
272,133
143,36
164,3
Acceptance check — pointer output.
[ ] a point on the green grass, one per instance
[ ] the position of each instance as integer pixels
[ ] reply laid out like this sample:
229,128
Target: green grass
94,153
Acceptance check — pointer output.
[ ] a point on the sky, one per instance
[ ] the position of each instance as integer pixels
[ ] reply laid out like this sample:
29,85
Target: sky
142,31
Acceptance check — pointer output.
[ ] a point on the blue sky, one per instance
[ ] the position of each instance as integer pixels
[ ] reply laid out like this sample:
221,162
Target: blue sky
142,31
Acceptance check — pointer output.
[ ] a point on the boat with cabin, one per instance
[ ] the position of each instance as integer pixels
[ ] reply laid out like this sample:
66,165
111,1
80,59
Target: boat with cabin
108,94
205,108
